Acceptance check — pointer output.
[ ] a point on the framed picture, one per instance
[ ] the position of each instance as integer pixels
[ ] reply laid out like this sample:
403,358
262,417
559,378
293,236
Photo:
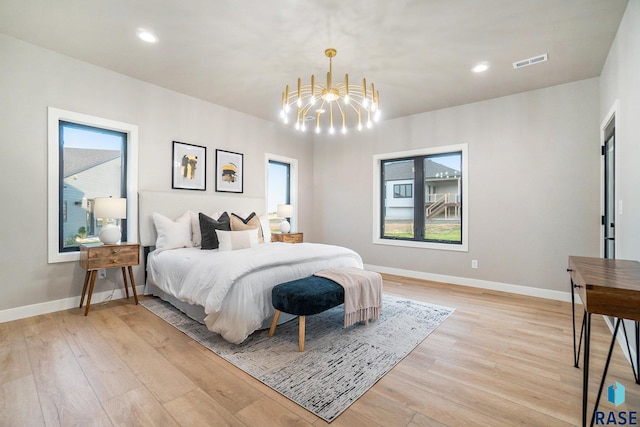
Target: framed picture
229,171
189,166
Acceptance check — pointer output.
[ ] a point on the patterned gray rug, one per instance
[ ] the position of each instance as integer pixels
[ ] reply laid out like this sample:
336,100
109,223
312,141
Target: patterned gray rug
338,365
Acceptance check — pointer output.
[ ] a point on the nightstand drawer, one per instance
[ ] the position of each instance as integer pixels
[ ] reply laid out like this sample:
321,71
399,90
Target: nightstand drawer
287,237
109,256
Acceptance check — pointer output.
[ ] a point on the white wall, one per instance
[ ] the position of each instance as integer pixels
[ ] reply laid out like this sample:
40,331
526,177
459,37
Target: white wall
32,79
538,151
620,80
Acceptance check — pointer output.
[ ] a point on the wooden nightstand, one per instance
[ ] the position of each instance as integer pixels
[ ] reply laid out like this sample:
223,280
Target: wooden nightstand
286,237
98,256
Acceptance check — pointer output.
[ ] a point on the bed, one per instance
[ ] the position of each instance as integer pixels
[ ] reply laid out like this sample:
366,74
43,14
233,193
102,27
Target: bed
228,290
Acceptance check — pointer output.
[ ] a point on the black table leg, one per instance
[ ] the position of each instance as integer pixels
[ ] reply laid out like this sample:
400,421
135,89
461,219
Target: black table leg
606,369
573,321
637,352
576,345
585,373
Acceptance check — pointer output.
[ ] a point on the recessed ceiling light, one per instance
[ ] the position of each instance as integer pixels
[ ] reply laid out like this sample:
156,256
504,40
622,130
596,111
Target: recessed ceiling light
482,67
147,36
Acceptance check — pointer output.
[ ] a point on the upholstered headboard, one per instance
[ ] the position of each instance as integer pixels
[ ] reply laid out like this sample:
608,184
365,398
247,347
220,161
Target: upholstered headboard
175,203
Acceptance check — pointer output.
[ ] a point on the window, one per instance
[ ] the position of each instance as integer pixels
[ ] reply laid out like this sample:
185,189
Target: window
421,198
89,157
94,165
402,191
281,188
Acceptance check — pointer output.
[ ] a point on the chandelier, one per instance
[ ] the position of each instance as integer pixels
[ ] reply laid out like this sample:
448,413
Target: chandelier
327,104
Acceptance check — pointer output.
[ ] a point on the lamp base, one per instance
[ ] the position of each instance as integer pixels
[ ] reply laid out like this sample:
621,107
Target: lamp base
284,226
110,234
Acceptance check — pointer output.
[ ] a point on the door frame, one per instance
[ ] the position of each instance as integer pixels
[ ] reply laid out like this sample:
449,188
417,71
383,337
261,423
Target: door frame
613,114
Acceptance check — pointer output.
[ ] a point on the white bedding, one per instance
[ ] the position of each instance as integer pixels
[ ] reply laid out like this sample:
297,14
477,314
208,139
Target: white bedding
234,287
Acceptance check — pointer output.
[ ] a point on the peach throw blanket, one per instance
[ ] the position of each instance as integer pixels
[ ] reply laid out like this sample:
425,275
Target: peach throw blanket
362,292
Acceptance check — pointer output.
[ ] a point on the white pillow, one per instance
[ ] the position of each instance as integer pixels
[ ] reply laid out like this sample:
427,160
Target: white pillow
234,240
173,234
266,228
196,234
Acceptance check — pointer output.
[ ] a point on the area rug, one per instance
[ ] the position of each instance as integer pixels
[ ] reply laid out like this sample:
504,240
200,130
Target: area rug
338,365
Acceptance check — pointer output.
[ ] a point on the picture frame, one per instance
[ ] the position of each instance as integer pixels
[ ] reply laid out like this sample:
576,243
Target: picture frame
229,172
189,167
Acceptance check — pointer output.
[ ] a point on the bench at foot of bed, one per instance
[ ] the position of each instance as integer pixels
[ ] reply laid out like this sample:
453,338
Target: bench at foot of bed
305,297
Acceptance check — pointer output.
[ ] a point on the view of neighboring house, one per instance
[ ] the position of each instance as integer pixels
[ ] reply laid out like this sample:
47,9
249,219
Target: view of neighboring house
83,169
441,186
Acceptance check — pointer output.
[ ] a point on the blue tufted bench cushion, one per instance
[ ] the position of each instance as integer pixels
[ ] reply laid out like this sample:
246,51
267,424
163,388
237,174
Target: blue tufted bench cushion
304,297
307,296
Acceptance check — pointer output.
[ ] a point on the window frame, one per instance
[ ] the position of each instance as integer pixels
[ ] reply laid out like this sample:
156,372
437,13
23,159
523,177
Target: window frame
64,125
378,189
293,184
288,166
55,116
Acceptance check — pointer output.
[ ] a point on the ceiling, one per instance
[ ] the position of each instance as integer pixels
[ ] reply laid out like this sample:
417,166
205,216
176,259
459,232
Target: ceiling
240,54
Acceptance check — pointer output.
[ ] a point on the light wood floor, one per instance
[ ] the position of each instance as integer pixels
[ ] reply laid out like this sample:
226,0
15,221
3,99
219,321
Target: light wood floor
499,360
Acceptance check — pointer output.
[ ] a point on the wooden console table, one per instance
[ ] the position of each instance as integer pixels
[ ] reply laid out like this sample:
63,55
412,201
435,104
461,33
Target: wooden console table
609,287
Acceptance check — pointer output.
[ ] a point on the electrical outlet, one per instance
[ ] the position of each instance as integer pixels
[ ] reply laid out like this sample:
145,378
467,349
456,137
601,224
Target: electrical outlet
102,273
474,263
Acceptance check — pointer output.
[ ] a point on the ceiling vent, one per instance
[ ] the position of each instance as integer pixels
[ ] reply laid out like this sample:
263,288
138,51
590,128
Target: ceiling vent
530,61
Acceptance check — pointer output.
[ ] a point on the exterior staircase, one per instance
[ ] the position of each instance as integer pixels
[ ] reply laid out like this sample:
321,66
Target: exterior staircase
441,203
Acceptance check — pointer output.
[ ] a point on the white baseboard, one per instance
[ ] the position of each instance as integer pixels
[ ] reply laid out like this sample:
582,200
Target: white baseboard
67,303
61,304
476,283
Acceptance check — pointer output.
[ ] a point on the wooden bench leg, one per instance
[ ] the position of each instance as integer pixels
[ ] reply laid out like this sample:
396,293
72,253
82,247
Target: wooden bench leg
272,329
301,333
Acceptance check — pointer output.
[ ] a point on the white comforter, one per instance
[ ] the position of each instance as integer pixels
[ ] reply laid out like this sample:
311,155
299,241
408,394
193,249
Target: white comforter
234,287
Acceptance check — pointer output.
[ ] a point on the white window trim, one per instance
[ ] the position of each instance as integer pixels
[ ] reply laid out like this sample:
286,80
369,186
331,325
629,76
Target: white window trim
55,115
377,176
293,189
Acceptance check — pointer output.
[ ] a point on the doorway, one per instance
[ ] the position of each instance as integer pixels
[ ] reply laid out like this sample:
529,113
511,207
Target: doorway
609,217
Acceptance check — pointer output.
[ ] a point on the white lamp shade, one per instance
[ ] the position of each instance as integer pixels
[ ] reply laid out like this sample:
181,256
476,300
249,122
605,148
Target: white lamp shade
285,211
110,207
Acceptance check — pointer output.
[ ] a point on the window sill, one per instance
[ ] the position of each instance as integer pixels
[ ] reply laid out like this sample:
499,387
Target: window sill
421,245
55,257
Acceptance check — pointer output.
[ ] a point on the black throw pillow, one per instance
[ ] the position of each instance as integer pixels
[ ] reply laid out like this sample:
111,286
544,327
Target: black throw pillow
208,227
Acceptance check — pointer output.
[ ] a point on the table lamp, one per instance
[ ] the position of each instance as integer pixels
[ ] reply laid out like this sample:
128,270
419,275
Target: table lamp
285,211
109,208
